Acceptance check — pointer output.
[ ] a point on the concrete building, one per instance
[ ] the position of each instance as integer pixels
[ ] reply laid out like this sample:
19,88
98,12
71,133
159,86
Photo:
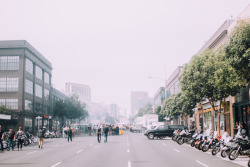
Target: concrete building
173,82
138,100
81,90
25,84
159,97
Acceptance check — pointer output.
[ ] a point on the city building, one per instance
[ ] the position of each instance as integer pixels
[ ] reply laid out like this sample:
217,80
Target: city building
138,100
25,85
81,90
159,97
173,82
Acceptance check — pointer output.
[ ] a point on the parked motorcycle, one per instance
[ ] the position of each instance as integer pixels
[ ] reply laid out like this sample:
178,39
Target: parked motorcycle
242,148
225,139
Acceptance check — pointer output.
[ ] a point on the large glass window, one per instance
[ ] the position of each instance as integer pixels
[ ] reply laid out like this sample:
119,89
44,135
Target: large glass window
8,84
46,94
9,103
29,66
27,124
28,105
38,107
29,86
39,91
46,78
9,62
39,73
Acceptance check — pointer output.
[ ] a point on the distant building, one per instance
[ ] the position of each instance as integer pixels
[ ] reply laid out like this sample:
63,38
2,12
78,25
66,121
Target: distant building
173,82
114,111
138,100
25,85
81,90
159,97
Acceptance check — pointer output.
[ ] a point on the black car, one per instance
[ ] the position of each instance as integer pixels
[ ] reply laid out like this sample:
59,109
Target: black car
162,131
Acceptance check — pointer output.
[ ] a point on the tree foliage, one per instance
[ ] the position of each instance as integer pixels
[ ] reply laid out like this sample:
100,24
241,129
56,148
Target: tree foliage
160,114
237,51
147,109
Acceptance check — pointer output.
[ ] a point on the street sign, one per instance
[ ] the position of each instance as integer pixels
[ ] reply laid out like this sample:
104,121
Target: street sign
38,117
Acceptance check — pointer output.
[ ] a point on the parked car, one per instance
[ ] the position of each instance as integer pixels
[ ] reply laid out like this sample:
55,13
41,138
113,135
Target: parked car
162,131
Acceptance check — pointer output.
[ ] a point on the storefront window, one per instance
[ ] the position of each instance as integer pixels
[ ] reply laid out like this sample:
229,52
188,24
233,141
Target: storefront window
207,120
28,124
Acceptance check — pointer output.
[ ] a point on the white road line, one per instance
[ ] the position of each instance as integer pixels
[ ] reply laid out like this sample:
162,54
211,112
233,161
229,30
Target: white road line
128,150
201,163
56,164
176,150
31,152
79,151
129,164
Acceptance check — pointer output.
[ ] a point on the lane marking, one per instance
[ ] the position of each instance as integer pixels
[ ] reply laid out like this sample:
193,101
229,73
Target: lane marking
201,163
128,150
176,150
79,151
56,164
129,164
31,152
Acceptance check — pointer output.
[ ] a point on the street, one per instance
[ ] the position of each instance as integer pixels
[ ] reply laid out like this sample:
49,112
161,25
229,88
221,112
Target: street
128,150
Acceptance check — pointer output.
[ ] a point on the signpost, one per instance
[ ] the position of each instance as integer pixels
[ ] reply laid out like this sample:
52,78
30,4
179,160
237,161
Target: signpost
38,118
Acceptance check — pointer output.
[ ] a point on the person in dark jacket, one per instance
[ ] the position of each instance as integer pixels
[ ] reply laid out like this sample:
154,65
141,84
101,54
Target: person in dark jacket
70,133
1,137
105,133
11,139
99,133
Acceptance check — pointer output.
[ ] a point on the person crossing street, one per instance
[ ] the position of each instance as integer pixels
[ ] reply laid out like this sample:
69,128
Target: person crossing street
99,133
105,133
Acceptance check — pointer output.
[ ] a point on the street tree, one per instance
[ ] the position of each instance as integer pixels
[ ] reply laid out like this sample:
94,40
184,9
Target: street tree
237,51
160,114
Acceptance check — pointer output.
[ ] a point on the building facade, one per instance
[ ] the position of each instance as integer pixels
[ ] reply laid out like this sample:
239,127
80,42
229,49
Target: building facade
81,90
159,97
25,84
138,100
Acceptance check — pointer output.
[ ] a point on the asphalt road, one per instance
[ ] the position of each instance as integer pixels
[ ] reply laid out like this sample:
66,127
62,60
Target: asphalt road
128,150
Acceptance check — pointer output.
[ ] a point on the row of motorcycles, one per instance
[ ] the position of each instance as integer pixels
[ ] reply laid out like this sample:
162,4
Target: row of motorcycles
28,139
225,145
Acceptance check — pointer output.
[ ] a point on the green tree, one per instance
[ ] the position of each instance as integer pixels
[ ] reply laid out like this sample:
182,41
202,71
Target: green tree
172,107
60,110
160,114
147,109
237,51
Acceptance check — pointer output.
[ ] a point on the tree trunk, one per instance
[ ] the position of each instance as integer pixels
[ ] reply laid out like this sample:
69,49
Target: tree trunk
212,113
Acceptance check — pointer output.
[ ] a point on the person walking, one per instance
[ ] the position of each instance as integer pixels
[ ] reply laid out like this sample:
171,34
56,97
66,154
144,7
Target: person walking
1,137
20,138
11,138
70,133
105,133
99,133
40,135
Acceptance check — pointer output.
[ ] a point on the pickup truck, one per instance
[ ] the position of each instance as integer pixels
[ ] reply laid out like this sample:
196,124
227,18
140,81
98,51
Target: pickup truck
162,131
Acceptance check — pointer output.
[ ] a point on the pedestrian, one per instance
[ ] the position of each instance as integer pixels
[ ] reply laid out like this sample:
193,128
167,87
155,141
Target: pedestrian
1,137
20,138
11,138
99,133
105,133
40,135
70,133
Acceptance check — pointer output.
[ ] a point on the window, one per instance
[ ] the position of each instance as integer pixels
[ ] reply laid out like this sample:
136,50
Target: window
39,91
46,94
28,124
46,78
28,105
38,107
9,103
9,62
39,73
8,84
29,86
29,66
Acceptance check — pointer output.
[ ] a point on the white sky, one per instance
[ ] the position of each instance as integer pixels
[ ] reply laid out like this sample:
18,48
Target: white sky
115,45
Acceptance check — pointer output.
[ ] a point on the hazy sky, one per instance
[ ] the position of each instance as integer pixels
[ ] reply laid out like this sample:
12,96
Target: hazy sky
115,45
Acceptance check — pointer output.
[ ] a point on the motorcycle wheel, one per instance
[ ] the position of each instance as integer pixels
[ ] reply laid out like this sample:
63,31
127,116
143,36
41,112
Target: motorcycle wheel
173,138
26,142
205,148
233,154
223,154
193,143
180,141
215,150
200,146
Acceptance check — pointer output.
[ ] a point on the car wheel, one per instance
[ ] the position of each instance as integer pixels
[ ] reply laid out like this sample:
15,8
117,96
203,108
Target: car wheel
151,136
